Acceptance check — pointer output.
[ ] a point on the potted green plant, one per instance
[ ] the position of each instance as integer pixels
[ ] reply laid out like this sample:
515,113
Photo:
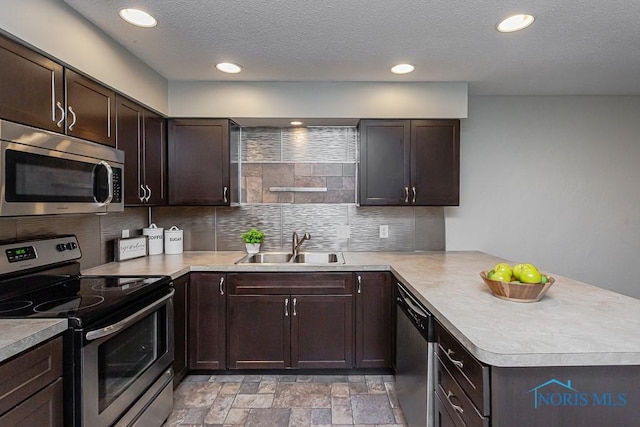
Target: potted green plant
252,240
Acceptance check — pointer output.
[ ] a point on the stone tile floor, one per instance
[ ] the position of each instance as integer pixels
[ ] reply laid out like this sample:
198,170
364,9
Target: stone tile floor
286,400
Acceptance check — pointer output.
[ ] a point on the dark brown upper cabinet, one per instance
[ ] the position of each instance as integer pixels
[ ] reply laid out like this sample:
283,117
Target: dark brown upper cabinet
91,109
199,162
409,162
31,87
141,135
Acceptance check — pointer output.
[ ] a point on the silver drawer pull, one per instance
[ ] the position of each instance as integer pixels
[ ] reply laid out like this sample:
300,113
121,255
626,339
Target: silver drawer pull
222,286
458,363
286,307
456,407
359,284
294,307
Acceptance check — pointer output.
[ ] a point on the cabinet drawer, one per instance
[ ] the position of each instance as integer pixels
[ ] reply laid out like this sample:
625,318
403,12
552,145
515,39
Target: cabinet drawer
290,283
27,373
454,400
470,374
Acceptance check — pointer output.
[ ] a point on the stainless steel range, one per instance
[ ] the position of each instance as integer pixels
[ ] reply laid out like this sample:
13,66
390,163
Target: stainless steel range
119,347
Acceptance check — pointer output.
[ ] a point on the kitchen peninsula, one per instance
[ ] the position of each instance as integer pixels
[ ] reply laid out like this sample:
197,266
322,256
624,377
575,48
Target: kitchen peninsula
580,343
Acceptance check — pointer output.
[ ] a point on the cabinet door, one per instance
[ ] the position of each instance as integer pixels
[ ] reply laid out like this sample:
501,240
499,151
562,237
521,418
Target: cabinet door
374,320
384,162
155,148
180,328
435,162
322,331
259,327
198,162
129,140
30,87
43,409
91,109
207,314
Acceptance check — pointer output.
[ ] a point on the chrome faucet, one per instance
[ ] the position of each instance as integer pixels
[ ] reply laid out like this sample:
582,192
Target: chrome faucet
296,242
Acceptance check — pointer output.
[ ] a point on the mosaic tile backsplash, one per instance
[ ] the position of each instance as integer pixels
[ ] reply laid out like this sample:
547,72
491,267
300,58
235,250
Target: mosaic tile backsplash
211,228
318,165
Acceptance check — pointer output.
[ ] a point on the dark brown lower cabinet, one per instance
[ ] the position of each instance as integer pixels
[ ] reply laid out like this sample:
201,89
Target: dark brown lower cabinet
443,417
180,328
374,319
207,321
322,331
31,389
285,320
259,331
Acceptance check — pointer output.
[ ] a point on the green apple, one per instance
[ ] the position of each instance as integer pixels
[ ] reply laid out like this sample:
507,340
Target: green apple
530,275
504,267
501,276
517,269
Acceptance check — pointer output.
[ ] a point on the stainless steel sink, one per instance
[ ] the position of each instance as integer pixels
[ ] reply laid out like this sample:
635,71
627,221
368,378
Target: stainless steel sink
318,258
301,258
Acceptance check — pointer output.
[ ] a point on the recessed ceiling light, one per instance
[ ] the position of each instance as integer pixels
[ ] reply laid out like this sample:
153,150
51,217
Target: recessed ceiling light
402,68
295,123
138,17
515,23
228,67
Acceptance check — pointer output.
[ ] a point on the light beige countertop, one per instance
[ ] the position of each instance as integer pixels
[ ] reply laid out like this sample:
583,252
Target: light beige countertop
19,335
575,324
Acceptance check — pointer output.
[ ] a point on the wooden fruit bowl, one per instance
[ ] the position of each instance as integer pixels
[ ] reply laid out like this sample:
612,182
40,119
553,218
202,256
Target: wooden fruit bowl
518,292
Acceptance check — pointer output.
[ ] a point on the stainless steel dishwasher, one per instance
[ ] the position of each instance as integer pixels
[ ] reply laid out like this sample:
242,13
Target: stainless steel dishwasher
414,359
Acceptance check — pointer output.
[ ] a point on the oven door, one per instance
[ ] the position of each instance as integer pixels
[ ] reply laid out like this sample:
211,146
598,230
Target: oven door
122,360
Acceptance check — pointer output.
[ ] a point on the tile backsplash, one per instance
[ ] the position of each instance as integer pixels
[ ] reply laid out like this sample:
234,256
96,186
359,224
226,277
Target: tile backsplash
211,228
298,165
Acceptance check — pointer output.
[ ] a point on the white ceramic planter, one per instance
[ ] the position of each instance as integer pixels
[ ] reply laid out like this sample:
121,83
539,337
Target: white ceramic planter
253,248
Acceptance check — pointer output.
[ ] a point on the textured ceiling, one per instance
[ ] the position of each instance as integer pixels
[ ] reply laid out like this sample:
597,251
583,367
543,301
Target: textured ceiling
573,47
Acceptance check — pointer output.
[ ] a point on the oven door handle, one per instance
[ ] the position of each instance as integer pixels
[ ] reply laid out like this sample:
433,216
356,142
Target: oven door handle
128,321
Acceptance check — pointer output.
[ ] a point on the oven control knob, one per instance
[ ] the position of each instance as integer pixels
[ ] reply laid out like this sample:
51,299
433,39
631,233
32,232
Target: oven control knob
61,247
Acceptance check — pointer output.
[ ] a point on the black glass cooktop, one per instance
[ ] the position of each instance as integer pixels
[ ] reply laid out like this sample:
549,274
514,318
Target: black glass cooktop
84,299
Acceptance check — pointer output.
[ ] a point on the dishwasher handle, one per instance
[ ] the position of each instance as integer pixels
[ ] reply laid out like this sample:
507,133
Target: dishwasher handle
419,315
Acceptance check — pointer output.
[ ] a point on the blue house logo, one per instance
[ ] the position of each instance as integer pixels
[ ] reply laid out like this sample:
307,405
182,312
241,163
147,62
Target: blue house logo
555,393
542,398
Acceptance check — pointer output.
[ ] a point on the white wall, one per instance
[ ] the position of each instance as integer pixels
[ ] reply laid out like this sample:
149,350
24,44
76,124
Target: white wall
55,28
553,181
317,99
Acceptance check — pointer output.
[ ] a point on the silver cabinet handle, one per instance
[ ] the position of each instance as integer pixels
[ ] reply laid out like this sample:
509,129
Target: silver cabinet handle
224,194
406,194
414,194
146,199
295,302
144,193
456,407
286,307
359,284
61,108
458,363
73,121
221,286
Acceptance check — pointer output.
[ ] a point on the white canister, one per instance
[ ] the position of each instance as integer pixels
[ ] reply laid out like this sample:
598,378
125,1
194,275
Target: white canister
173,241
156,238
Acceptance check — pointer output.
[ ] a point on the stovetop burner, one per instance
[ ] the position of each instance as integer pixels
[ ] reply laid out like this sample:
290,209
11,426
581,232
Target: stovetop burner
8,307
69,304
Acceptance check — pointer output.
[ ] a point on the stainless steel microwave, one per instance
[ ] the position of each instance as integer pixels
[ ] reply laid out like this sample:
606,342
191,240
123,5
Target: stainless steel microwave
43,173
